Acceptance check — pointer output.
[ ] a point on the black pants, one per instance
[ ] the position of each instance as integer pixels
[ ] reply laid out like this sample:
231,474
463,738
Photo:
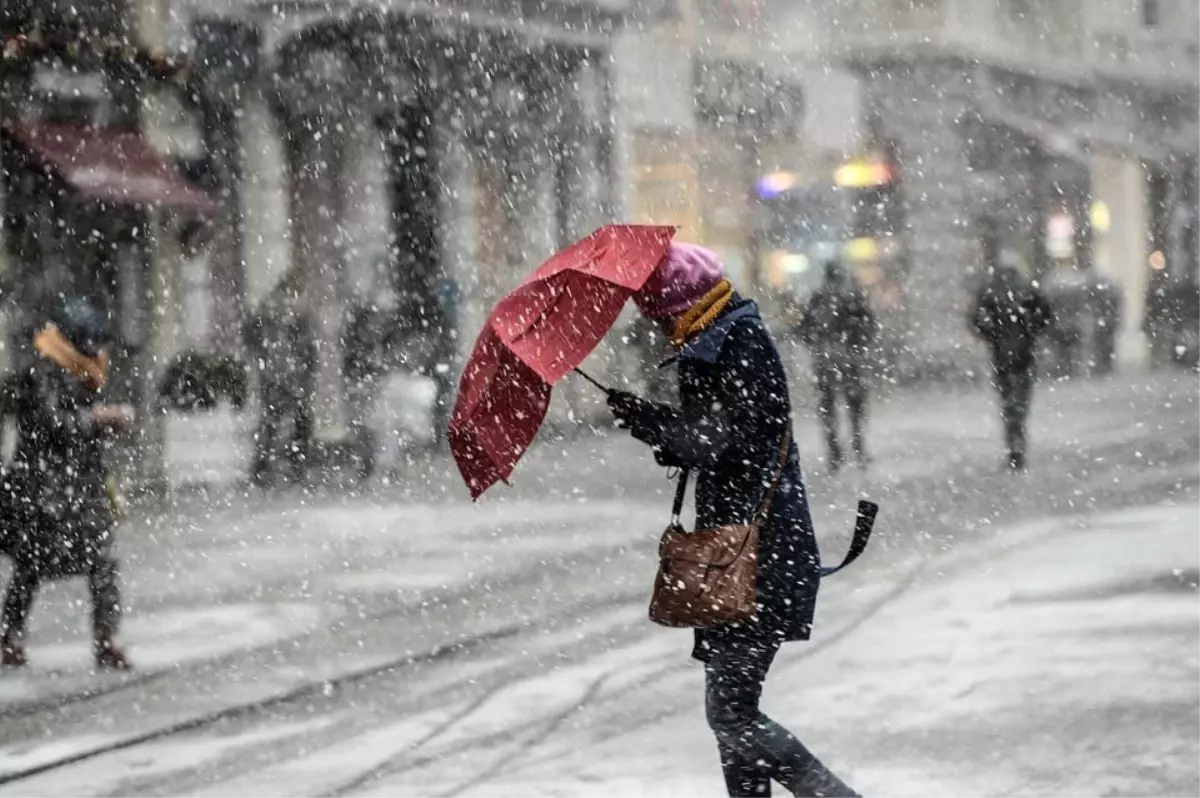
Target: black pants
102,585
754,749
832,383
443,405
1015,386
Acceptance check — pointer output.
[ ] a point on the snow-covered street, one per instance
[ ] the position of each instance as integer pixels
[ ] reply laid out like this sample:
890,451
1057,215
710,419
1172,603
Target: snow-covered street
1033,634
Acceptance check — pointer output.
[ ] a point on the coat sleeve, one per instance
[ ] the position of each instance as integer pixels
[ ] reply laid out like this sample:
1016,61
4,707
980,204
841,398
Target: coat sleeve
808,331
867,319
61,415
980,320
751,399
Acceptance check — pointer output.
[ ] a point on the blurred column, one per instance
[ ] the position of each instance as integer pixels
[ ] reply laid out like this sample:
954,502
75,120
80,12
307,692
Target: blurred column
226,265
602,114
265,200
319,94
8,308
226,55
412,179
584,181
526,153
457,219
314,156
1122,246
918,105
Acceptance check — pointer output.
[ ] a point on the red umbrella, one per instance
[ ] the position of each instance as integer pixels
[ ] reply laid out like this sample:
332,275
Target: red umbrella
535,335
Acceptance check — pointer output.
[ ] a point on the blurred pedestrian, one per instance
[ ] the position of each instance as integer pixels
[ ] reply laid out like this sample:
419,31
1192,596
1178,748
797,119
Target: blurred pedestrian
1009,315
1067,290
1157,320
733,427
57,504
280,337
840,331
1107,302
444,355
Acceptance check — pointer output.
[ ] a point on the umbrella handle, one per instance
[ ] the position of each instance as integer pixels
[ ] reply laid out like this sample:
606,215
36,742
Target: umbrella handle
593,381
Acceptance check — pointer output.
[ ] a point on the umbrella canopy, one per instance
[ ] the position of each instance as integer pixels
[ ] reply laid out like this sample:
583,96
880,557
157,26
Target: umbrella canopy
536,334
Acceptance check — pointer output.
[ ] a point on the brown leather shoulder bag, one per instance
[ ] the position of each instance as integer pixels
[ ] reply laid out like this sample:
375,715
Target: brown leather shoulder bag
709,576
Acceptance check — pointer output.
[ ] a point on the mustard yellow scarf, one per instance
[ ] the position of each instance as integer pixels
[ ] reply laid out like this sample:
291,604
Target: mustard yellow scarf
54,346
696,318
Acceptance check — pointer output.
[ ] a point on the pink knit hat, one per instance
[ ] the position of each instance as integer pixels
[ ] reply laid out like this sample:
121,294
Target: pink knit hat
685,274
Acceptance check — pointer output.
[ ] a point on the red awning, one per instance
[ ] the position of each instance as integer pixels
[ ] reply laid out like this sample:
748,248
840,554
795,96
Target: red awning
112,165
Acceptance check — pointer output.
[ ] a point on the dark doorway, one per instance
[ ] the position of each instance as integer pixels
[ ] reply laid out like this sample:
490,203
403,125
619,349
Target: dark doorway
413,197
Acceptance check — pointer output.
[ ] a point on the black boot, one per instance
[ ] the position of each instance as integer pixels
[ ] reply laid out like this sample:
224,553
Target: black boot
835,455
109,656
12,654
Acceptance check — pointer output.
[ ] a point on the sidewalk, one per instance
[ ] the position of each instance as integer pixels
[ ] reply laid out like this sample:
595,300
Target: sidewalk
1060,659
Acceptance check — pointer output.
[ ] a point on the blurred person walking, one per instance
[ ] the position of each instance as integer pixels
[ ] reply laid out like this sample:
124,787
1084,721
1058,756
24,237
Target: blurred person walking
733,427
442,369
1009,314
280,338
1107,304
57,507
1067,292
840,330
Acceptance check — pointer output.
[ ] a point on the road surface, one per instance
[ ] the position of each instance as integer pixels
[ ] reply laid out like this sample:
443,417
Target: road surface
1004,634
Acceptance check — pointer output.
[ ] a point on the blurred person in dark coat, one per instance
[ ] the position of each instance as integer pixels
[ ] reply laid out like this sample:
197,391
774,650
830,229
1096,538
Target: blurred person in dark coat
1067,291
57,508
840,330
1107,301
281,339
1009,314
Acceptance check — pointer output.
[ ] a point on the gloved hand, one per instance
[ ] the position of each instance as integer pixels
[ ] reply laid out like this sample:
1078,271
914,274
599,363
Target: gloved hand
634,414
644,420
626,407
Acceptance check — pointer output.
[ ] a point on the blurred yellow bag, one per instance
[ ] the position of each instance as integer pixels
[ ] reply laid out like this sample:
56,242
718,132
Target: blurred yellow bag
115,500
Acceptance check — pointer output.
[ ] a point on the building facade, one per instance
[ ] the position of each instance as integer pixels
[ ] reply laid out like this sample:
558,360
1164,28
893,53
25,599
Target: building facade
1005,116
461,144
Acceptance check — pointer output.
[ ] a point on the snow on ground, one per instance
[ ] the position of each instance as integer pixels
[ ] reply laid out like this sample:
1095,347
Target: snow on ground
165,639
1061,659
1057,656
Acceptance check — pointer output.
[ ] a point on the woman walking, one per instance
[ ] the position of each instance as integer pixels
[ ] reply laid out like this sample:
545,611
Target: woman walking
57,506
732,425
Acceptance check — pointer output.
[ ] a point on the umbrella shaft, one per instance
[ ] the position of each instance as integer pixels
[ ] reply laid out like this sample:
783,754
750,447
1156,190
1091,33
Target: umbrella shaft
592,380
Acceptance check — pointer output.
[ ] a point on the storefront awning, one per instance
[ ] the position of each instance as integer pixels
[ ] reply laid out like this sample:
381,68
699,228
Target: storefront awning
116,166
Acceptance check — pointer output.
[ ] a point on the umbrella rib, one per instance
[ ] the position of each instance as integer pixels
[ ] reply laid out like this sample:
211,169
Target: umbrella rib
541,316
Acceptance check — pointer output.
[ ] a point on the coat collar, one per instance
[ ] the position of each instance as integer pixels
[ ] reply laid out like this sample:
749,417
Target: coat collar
706,347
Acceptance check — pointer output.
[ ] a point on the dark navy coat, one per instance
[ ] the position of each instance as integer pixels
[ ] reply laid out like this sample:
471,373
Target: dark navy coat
734,410
54,500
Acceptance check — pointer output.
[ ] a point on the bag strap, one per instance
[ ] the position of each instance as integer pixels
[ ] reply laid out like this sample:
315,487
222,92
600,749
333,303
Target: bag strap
863,525
764,506
680,491
785,445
